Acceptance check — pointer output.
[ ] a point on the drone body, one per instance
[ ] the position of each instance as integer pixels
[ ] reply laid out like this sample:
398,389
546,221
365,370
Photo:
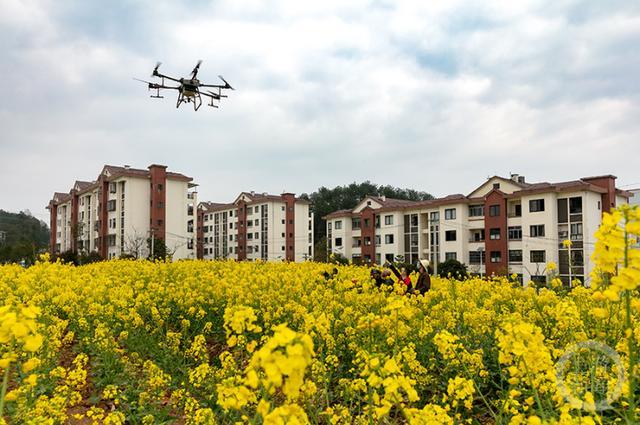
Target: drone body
189,89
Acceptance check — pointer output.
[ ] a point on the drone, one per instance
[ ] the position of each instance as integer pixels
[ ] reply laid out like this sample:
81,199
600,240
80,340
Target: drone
189,89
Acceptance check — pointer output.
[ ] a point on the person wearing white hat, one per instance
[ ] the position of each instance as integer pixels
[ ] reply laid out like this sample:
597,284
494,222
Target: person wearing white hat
424,280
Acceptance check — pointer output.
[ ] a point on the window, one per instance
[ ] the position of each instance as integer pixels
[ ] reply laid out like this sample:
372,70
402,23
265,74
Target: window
515,256
477,235
388,239
388,220
111,205
576,231
494,234
337,225
112,187
378,240
338,242
536,205
367,241
366,223
496,257
283,221
494,210
496,185
476,210
475,257
516,210
355,223
450,256
536,231
575,205
538,256
450,235
450,214
515,233
388,257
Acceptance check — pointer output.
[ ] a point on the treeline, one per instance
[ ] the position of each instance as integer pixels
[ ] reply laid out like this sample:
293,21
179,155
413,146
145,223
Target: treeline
327,200
22,237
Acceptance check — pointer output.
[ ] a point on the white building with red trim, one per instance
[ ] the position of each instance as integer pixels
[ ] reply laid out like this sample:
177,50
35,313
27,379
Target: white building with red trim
118,212
504,226
256,226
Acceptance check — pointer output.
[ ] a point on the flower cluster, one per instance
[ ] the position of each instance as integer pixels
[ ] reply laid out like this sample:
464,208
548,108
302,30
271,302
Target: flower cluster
202,342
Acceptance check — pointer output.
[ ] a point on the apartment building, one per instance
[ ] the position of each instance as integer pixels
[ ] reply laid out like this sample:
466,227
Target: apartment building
116,213
256,226
504,226
635,197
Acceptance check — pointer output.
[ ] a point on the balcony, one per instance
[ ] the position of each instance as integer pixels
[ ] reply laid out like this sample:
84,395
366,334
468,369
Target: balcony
476,240
191,195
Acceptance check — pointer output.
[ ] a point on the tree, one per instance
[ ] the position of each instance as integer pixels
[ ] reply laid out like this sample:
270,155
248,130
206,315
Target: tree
134,245
326,200
24,237
159,249
320,253
453,268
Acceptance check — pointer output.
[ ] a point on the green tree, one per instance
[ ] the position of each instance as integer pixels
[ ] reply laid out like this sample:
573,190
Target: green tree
159,249
23,237
327,200
453,268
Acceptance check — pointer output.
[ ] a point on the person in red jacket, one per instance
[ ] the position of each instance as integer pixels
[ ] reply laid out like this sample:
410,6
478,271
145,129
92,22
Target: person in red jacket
405,280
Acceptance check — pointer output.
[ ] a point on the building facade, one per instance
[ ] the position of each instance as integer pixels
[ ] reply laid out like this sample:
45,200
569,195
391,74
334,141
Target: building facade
122,209
256,226
635,197
505,226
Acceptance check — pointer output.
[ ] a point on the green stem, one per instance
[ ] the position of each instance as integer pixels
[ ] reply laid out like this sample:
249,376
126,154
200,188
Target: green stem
5,382
631,337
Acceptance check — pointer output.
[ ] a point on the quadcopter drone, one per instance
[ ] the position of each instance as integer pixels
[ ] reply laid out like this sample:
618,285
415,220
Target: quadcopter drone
189,89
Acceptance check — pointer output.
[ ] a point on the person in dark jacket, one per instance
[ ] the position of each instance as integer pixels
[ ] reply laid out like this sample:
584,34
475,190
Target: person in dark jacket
424,280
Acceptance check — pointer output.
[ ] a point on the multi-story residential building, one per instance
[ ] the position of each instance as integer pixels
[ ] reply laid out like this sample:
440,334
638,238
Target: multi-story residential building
635,197
124,207
504,226
256,226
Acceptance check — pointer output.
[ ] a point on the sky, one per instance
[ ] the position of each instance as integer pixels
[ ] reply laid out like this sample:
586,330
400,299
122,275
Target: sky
430,95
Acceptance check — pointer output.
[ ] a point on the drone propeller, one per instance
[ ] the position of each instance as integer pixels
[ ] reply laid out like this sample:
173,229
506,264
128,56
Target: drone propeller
145,81
227,85
195,70
155,70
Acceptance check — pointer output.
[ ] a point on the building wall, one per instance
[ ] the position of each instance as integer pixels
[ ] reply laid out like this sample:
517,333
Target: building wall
124,229
276,232
579,227
137,215
177,237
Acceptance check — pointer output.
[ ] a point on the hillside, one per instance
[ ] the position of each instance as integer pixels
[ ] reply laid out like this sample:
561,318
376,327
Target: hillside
22,236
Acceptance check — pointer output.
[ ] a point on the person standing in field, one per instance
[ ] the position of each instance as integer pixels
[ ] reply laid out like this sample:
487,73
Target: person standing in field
406,280
424,280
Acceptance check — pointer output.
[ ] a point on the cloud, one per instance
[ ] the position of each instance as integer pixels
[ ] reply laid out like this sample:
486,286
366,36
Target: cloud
429,95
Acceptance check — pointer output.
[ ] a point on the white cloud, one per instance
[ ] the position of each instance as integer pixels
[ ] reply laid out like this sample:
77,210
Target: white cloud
429,95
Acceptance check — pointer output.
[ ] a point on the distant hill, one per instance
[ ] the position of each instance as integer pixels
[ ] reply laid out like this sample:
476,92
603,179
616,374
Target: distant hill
22,237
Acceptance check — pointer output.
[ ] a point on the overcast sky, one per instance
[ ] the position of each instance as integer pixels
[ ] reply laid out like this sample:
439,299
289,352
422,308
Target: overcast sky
430,95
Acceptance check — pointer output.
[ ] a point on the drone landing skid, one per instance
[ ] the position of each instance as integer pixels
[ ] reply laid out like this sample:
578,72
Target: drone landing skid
197,100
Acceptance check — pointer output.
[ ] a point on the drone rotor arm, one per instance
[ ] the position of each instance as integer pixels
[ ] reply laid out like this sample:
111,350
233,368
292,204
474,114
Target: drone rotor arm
157,74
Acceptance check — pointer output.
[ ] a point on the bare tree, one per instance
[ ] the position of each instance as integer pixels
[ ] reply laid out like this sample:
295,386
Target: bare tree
135,244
